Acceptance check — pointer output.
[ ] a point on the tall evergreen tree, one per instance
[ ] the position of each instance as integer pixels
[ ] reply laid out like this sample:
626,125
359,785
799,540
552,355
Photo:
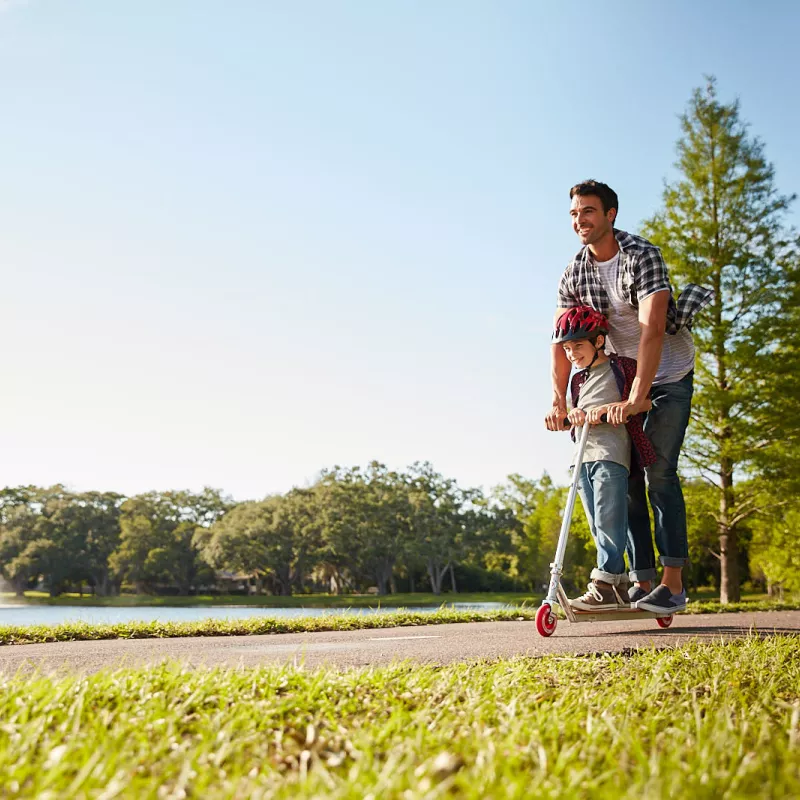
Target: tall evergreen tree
723,225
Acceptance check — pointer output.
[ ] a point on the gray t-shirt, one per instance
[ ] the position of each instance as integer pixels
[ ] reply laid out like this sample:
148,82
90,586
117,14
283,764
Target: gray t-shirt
605,442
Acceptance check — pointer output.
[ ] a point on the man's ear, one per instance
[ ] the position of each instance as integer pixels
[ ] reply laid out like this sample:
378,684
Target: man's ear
612,215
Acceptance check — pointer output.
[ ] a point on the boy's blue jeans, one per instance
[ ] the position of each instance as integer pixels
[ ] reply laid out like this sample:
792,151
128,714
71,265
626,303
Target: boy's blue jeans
665,426
603,487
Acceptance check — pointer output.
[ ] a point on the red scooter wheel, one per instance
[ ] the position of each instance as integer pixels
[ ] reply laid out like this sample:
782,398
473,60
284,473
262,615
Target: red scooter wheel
664,622
545,620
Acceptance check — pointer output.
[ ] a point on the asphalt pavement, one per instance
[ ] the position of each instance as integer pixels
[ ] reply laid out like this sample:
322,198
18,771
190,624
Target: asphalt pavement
438,644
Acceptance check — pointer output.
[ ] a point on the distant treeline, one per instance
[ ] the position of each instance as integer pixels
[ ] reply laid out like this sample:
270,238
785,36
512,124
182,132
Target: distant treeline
354,529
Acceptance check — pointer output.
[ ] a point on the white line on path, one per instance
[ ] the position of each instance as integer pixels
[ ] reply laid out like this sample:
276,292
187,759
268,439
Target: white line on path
396,638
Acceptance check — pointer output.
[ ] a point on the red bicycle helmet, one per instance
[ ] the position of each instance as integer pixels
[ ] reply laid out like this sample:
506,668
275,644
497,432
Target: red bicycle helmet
580,322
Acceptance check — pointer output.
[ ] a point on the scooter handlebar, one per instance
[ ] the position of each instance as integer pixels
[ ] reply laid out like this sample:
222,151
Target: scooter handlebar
566,421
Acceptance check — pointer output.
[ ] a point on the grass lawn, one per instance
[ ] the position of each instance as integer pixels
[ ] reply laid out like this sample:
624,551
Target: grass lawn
703,721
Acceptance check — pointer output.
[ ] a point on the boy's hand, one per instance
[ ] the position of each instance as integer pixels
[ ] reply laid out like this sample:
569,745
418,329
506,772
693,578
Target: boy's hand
594,414
554,421
577,417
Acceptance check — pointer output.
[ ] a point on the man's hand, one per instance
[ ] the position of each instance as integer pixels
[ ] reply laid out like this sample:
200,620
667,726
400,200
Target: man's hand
594,414
554,421
577,417
620,413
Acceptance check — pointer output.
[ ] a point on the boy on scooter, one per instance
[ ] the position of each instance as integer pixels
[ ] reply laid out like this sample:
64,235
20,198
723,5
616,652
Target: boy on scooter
611,450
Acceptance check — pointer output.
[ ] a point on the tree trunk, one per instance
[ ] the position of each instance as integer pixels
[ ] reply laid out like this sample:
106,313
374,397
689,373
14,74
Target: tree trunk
453,580
383,575
436,581
728,539
299,576
382,582
436,574
283,581
19,583
411,582
728,544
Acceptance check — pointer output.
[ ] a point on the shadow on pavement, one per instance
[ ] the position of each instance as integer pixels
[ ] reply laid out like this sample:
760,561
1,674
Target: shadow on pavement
705,632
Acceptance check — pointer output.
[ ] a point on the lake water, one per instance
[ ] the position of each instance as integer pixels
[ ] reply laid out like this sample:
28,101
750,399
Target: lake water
97,615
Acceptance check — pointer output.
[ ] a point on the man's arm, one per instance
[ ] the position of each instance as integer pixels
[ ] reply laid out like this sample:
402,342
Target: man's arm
653,324
559,377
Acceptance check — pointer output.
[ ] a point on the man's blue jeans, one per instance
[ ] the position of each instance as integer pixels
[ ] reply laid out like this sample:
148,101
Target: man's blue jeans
665,426
603,487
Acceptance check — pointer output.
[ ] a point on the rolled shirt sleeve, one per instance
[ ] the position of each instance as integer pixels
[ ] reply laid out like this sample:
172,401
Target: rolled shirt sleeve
566,291
651,275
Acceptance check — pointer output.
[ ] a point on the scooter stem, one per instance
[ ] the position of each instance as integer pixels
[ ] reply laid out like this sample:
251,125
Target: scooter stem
556,568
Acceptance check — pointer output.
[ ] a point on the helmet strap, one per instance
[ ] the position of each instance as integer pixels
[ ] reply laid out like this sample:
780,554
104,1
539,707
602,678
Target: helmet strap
596,353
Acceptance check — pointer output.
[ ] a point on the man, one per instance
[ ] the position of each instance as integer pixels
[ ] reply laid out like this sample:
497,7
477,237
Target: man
624,277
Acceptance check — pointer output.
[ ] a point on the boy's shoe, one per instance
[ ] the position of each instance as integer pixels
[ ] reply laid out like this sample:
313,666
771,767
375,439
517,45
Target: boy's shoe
599,597
662,601
636,593
623,595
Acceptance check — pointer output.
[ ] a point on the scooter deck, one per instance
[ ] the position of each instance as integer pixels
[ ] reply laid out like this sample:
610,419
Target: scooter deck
621,614
629,614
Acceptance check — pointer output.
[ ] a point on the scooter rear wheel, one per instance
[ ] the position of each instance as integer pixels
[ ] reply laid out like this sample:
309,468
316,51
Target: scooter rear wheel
546,620
664,622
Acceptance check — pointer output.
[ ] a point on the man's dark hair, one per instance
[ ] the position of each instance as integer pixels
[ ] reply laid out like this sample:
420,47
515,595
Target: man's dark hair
608,197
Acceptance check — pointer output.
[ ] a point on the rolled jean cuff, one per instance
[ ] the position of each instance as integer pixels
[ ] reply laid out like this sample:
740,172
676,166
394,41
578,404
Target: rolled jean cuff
671,561
609,577
641,575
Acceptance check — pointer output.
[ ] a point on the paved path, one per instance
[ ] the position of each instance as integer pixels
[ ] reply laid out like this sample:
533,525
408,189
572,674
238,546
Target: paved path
438,644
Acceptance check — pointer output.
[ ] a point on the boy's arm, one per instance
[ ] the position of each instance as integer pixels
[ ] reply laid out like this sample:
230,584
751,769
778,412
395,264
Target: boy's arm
559,377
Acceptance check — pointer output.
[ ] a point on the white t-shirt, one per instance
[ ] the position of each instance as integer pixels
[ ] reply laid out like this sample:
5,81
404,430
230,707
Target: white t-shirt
677,355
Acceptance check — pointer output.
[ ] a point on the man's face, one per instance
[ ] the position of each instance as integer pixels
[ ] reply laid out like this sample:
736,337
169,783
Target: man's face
580,352
588,219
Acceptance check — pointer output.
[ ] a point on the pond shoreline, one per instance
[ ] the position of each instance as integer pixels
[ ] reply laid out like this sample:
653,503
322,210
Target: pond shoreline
36,614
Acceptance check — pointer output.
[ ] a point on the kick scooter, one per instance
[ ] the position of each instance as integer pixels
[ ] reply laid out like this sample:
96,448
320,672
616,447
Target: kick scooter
556,596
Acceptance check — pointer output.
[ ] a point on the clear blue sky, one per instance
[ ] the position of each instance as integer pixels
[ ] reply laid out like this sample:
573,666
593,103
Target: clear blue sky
242,241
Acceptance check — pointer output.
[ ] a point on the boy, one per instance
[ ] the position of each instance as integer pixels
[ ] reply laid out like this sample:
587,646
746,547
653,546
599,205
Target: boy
610,452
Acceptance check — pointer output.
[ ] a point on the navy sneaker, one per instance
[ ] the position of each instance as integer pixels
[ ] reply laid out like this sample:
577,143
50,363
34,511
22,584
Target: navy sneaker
636,593
662,601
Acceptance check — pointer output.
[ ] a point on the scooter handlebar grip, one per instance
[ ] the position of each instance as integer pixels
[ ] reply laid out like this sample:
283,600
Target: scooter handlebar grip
566,423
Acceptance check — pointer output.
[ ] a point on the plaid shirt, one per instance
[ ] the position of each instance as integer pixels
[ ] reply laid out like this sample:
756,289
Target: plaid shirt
642,272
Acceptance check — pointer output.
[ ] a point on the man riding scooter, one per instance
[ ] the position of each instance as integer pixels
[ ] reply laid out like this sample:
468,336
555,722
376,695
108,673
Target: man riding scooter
624,277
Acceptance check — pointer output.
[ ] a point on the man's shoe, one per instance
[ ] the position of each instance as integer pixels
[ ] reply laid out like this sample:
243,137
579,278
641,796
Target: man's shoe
636,593
599,597
662,601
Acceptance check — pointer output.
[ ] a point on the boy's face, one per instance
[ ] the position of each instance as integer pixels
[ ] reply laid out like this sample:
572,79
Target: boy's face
580,352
